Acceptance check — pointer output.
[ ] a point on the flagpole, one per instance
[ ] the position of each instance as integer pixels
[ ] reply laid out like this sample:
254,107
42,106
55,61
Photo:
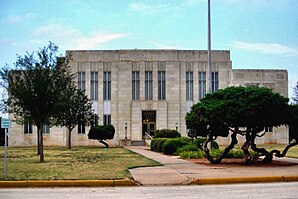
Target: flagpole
209,50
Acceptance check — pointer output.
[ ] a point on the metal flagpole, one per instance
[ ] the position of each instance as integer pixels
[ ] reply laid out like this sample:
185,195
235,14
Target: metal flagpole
209,60
209,49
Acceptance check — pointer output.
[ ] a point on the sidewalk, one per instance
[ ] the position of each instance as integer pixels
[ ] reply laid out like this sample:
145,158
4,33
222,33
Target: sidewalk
179,172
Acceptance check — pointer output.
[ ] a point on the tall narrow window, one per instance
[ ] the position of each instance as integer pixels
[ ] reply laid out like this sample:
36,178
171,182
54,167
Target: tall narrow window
107,85
189,85
161,85
148,85
81,81
135,85
28,128
214,81
46,129
269,129
106,119
202,84
94,86
81,128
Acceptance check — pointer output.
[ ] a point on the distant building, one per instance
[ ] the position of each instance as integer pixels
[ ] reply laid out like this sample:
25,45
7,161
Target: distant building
147,90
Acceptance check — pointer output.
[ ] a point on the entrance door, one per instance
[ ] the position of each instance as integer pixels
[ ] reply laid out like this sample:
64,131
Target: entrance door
149,122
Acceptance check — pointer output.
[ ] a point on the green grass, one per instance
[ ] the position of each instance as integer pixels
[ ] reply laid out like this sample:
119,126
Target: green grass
77,163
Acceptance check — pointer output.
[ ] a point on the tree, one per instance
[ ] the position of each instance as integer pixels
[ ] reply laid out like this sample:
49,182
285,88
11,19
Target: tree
34,88
242,111
102,133
295,91
74,108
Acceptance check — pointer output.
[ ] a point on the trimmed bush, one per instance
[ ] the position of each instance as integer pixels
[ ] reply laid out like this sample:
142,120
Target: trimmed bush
200,140
156,144
171,145
188,147
191,154
167,133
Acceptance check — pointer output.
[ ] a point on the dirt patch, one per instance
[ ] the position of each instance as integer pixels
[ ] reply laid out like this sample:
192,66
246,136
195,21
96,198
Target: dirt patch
236,162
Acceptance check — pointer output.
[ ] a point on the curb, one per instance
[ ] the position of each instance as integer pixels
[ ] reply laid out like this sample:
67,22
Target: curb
258,179
66,183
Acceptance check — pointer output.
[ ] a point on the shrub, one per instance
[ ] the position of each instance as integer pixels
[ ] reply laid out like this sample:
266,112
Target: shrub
200,140
171,145
160,143
167,133
156,144
215,153
191,154
188,147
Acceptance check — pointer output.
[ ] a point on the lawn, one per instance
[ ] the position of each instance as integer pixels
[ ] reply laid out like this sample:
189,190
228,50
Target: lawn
77,163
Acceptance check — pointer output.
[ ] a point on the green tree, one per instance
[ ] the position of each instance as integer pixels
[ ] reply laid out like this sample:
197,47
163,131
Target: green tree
75,107
102,133
295,91
34,88
242,111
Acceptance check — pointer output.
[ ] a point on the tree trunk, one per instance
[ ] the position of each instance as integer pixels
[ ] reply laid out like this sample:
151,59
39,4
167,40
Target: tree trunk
38,142
69,138
40,133
103,142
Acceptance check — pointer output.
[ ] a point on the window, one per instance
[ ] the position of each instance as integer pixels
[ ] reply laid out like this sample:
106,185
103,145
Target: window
28,128
269,129
46,129
107,85
214,81
189,85
135,85
94,86
106,119
81,128
81,81
161,85
202,84
148,85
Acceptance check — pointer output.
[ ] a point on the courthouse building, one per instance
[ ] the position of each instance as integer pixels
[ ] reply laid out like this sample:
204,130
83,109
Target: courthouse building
139,91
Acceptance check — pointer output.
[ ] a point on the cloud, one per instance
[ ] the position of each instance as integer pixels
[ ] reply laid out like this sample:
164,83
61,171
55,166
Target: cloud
267,48
96,39
16,19
71,38
147,8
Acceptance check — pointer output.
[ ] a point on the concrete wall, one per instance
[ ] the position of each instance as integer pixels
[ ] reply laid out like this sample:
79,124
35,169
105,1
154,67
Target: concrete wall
123,109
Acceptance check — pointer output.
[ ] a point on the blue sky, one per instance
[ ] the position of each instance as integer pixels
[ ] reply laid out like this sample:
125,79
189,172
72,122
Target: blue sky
261,34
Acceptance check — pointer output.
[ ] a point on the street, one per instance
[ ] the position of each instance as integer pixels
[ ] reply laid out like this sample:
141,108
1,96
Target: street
267,190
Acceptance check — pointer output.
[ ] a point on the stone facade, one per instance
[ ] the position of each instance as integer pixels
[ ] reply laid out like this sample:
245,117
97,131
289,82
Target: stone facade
147,90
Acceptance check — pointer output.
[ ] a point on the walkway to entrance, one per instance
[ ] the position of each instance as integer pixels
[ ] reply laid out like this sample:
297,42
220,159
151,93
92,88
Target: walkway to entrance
177,171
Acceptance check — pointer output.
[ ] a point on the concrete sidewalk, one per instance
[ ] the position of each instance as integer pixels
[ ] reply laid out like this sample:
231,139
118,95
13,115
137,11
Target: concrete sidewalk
178,172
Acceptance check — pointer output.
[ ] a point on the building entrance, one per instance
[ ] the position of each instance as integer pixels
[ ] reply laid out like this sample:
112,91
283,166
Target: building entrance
149,122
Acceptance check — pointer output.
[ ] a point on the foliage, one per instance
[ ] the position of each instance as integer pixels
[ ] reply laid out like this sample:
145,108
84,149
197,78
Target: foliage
200,141
188,147
240,110
171,145
167,133
101,133
35,86
75,108
295,91
191,154
156,144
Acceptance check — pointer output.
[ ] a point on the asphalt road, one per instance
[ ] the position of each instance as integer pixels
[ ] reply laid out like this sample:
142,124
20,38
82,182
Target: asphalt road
267,190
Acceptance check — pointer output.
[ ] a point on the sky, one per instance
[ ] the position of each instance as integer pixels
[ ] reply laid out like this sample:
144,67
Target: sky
260,34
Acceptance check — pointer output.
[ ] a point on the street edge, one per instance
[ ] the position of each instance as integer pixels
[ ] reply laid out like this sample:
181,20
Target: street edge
67,183
245,179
